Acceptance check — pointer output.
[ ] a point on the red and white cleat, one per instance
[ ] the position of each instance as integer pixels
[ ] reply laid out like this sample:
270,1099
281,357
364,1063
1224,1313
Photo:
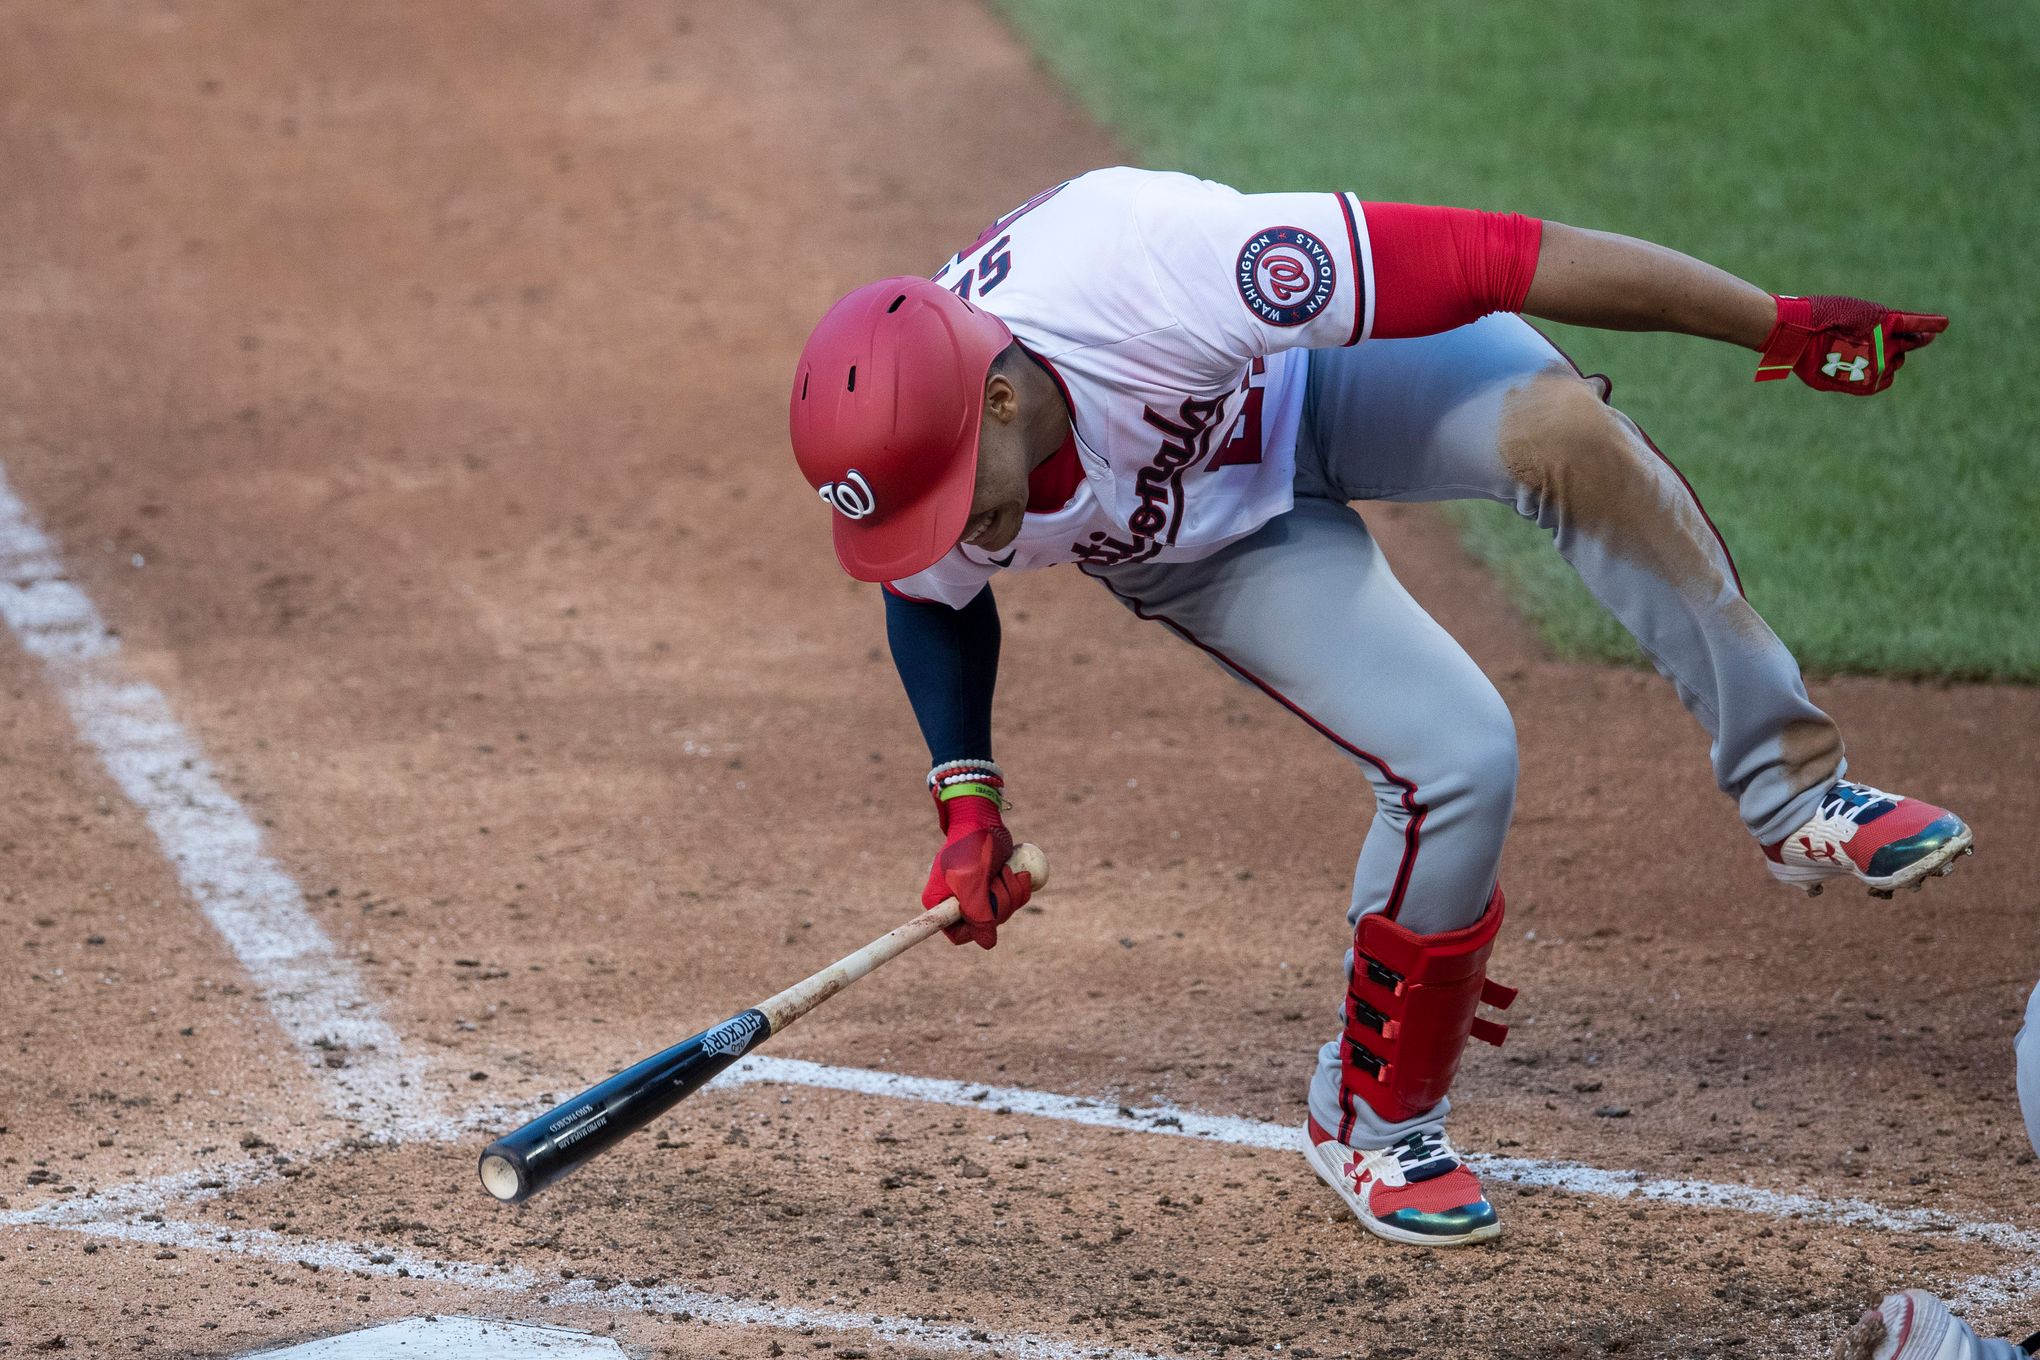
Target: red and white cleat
1884,839
1414,1190
1915,1325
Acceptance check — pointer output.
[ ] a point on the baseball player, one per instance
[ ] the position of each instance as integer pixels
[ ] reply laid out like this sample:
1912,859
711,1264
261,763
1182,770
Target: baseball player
1179,388
1915,1325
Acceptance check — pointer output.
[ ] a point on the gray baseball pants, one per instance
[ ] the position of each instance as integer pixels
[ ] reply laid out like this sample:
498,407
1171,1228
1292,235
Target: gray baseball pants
1307,610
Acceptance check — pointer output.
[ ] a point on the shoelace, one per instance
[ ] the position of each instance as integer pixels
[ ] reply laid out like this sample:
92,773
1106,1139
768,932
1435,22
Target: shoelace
1423,1150
1849,801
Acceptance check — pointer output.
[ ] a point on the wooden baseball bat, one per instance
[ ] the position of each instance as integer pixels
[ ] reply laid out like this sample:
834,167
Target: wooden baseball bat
519,1165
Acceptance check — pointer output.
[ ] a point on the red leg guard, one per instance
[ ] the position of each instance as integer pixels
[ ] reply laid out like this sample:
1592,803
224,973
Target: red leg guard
1410,1009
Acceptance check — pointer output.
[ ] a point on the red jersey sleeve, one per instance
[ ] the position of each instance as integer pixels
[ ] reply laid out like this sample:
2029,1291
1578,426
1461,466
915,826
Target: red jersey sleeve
1439,268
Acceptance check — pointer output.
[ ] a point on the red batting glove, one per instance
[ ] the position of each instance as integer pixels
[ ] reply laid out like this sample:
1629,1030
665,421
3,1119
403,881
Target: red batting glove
1843,344
971,867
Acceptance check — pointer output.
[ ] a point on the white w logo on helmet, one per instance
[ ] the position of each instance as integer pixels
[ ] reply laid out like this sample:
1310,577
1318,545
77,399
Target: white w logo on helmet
1854,369
852,496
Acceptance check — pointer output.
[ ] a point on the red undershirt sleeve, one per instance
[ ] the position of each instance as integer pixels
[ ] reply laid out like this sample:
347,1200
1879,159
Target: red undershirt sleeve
1439,268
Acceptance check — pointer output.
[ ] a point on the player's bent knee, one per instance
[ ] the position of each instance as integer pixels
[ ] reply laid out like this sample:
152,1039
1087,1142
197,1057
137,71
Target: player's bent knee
1485,760
1492,759
1464,771
1585,472
1557,402
1557,430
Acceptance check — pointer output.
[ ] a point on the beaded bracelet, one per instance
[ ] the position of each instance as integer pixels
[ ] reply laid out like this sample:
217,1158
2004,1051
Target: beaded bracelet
968,779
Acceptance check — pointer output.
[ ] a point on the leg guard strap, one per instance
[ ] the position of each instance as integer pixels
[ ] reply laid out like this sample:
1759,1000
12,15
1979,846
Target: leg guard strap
1410,1008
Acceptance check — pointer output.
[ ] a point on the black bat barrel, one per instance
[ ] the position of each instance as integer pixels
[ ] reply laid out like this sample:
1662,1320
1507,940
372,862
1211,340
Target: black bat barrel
519,1165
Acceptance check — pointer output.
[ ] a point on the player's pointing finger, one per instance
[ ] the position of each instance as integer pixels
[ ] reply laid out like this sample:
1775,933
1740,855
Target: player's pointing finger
1911,330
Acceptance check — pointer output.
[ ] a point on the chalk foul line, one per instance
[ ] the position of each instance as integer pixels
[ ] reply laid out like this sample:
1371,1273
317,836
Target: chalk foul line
526,1285
210,840
1160,1120
119,1210
1977,1292
1574,1177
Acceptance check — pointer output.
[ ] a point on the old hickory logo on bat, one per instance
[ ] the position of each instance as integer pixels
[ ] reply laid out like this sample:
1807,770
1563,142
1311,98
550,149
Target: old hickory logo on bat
734,1035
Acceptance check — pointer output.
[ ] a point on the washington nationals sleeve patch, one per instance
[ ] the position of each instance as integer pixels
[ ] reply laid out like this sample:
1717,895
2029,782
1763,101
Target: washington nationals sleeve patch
1285,275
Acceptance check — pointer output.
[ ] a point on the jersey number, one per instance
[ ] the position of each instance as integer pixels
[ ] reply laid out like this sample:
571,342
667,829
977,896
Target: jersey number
997,261
1245,444
990,272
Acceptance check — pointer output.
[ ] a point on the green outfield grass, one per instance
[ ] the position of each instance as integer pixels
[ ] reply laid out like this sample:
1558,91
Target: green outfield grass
1886,149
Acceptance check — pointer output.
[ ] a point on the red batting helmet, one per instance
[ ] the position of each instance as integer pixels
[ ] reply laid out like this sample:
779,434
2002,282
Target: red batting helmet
887,399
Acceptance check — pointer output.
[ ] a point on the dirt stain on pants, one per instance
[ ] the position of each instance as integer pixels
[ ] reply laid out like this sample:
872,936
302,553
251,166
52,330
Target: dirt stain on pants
1593,475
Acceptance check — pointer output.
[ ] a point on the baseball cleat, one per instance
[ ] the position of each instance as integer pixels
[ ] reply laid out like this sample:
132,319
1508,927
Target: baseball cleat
1414,1190
1915,1325
1884,839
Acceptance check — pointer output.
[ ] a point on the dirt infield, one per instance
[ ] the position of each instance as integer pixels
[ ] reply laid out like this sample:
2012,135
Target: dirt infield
404,387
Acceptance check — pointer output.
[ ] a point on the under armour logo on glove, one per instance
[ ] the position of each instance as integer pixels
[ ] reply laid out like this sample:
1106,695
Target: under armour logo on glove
851,497
1843,344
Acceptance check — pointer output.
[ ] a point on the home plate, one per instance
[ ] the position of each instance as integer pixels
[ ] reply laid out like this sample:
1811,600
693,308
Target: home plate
452,1338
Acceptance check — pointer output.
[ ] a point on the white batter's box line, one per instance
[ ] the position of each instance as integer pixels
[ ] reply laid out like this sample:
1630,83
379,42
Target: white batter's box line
2010,1291
716,1310
116,1211
195,1185
1972,1295
134,1198
198,1184
209,838
1165,1120
1171,1121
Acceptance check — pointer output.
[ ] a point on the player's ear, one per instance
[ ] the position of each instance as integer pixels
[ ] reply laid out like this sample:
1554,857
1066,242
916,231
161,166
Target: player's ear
1002,398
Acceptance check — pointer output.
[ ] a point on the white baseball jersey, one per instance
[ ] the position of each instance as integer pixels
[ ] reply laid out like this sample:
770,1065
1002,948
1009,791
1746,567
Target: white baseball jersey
1166,307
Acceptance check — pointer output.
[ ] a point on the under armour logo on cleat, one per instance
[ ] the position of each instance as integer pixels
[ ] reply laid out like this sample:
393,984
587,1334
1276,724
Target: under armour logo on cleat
1822,852
1856,369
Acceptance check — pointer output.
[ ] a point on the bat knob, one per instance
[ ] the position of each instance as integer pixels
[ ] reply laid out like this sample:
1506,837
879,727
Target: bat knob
502,1178
1027,859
